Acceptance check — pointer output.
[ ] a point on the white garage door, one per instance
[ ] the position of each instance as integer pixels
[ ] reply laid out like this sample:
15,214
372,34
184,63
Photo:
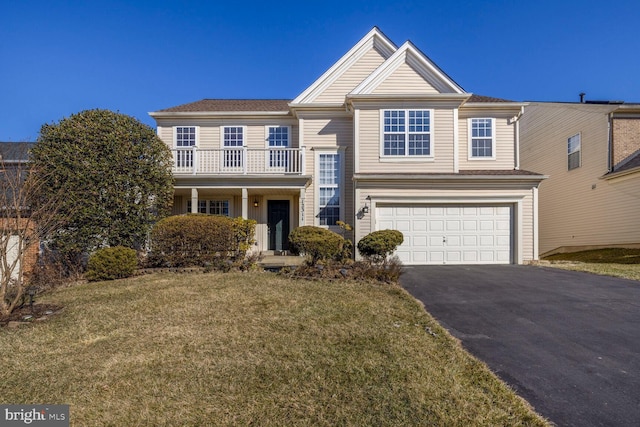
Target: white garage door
454,234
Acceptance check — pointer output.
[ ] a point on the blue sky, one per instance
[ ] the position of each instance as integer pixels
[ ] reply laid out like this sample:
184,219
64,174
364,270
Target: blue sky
61,57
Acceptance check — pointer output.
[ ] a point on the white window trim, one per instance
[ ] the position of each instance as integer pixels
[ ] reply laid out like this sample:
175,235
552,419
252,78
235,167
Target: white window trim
209,200
316,199
244,135
406,157
470,155
175,135
266,134
579,135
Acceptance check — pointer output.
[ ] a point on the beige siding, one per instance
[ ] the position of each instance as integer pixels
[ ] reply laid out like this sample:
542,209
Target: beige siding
328,133
577,207
209,130
404,80
504,144
370,145
359,71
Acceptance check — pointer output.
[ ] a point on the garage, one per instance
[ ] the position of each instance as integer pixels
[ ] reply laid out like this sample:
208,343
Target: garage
451,234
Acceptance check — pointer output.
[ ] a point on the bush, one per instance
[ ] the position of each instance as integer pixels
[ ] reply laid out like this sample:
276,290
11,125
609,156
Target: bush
377,246
317,243
112,263
199,240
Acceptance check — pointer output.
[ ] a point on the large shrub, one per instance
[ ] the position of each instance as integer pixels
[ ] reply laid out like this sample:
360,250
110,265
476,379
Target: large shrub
378,245
198,240
112,263
319,244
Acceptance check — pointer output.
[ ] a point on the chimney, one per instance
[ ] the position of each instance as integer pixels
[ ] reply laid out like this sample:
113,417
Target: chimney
582,94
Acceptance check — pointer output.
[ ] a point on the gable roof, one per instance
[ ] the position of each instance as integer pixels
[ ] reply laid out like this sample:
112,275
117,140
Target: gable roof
373,39
411,55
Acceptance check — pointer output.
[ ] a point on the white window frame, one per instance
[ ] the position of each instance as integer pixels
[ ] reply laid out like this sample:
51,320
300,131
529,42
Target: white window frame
471,138
277,160
207,205
341,206
235,160
406,156
184,158
579,151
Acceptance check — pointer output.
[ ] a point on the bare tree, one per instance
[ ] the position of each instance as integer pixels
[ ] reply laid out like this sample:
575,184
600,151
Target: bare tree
22,223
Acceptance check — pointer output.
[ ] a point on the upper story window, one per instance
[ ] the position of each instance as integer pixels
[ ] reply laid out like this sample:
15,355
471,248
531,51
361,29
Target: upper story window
278,141
406,132
329,188
573,149
185,136
481,138
232,140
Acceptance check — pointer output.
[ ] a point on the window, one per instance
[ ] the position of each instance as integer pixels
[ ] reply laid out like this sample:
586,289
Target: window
481,139
185,136
329,188
278,140
406,133
213,207
233,140
573,148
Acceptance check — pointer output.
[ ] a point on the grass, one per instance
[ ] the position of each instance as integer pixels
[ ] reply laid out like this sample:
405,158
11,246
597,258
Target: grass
250,349
618,262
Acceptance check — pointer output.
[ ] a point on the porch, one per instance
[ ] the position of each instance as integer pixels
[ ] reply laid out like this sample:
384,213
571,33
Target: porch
238,160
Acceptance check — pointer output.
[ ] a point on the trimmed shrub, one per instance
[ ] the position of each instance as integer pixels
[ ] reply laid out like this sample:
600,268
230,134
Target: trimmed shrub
378,245
200,240
112,263
191,240
317,243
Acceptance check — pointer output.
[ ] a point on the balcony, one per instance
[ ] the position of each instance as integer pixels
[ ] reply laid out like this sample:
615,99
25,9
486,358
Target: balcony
238,161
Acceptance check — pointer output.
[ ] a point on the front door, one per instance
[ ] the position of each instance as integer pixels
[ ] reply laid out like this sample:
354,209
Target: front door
278,224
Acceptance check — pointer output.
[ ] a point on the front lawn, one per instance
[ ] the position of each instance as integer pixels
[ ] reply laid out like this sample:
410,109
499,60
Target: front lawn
250,349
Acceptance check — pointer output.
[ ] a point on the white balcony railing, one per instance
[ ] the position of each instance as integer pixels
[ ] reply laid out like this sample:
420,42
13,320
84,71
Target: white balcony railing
240,160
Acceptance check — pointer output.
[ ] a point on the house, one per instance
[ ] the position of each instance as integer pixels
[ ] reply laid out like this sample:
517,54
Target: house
14,220
384,139
591,152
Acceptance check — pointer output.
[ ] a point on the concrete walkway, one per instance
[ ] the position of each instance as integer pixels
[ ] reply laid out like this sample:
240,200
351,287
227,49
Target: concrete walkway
568,342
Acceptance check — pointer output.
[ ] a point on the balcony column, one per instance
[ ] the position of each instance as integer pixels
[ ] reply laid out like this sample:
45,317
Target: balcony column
245,203
194,200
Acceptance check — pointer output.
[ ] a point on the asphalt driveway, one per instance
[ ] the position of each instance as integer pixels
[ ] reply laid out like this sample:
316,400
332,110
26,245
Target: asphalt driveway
567,342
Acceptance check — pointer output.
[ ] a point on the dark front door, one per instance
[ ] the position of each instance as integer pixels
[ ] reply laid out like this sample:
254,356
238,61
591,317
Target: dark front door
278,224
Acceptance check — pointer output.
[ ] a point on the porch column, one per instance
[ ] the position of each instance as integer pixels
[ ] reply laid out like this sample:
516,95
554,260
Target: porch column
245,203
301,207
194,200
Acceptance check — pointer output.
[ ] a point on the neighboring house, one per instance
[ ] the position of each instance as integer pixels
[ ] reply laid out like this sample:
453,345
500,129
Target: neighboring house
383,139
13,159
591,153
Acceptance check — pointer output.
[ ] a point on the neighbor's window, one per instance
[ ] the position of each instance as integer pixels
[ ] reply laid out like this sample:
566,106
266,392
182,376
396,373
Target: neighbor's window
482,138
406,132
185,136
573,149
329,188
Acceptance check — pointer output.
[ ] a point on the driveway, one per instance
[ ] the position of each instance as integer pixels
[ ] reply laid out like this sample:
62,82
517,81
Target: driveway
567,342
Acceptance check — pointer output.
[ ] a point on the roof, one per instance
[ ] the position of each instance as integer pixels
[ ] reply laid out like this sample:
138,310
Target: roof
628,166
226,105
481,98
15,151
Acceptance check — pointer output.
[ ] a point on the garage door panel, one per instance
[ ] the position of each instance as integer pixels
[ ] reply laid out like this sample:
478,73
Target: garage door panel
450,234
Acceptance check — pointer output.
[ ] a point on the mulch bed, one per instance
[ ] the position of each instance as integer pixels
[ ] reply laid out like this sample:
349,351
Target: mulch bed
39,311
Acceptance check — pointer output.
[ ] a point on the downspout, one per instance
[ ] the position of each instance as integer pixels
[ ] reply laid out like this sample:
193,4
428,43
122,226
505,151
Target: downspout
610,144
516,149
